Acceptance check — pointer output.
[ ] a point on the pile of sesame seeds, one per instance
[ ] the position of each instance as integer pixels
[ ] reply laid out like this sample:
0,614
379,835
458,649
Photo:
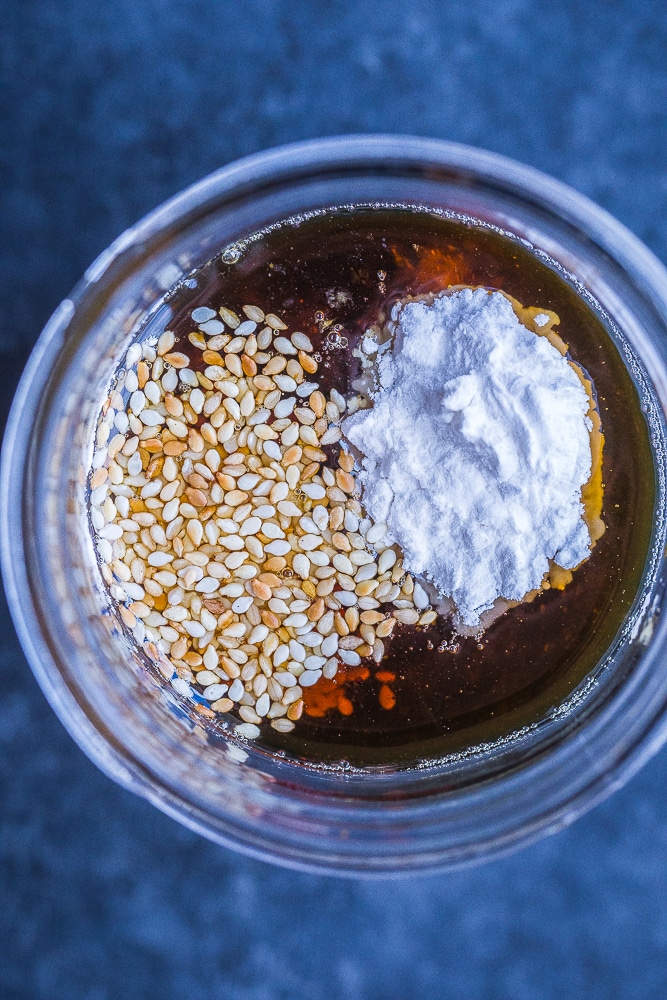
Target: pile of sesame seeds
235,549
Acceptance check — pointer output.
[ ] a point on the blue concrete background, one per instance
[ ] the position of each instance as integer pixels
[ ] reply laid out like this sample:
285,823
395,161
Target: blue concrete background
107,108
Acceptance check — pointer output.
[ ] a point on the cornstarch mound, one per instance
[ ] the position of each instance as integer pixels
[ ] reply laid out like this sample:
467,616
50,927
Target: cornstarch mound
475,450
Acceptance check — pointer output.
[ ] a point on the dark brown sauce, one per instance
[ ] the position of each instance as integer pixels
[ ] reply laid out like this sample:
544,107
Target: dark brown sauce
333,275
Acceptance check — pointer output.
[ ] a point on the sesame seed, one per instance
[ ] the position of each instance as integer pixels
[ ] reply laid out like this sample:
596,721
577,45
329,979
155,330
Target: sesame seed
207,490
247,730
202,314
212,327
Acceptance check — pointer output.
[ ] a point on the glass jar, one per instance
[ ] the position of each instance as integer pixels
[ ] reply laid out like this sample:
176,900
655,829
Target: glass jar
132,724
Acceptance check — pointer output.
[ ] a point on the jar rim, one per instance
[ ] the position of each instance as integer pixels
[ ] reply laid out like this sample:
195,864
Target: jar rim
642,702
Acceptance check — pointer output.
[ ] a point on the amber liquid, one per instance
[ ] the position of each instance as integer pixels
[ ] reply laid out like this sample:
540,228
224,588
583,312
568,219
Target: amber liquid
333,275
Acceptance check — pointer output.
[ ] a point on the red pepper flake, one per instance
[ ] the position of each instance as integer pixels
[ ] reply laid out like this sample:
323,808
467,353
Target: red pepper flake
331,695
345,706
435,267
385,676
387,697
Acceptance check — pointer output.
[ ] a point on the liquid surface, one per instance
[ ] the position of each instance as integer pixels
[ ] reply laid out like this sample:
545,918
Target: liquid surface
332,276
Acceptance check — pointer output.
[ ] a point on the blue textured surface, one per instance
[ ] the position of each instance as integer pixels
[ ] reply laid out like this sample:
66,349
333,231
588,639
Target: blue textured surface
106,109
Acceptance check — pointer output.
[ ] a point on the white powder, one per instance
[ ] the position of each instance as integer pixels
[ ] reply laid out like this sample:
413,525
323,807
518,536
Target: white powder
475,450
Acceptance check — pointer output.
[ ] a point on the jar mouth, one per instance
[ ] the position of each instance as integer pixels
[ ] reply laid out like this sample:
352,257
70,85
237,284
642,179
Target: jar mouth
445,813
